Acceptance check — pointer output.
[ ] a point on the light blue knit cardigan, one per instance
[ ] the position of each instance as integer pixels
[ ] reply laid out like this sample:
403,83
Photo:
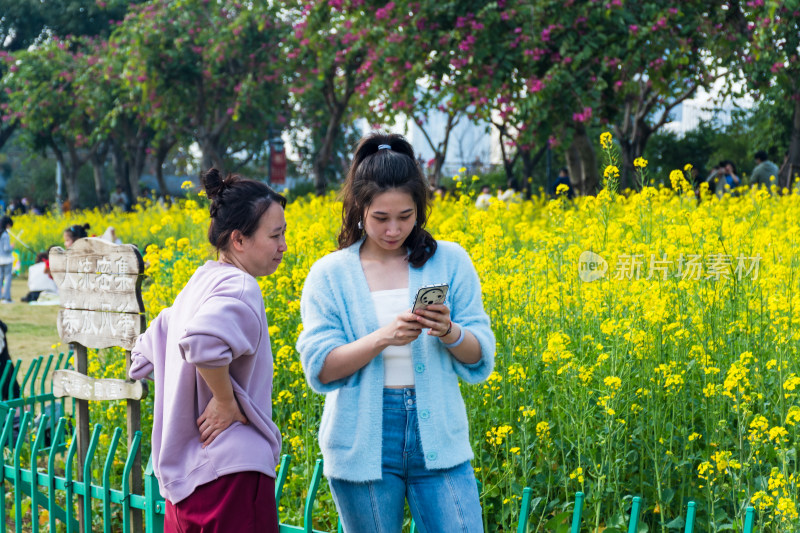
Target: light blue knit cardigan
337,309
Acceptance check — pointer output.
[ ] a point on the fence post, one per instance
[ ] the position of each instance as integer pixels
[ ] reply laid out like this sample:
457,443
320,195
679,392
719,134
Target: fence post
748,520
634,523
690,512
36,365
283,473
524,510
82,434
70,484
87,479
55,438
152,497
7,426
134,422
312,495
576,513
37,443
23,432
133,452
112,450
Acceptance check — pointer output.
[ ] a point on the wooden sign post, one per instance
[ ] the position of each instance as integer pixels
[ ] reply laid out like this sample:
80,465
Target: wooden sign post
99,285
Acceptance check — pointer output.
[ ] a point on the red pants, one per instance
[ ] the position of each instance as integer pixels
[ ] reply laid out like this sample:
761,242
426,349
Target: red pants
244,502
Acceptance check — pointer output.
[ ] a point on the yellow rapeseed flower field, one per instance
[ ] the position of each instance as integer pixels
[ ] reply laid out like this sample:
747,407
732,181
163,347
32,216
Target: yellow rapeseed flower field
647,344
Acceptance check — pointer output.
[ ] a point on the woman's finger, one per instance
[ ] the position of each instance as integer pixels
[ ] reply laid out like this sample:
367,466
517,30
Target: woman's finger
211,438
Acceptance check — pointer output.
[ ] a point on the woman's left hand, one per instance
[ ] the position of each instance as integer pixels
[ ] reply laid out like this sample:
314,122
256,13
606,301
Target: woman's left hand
217,417
436,317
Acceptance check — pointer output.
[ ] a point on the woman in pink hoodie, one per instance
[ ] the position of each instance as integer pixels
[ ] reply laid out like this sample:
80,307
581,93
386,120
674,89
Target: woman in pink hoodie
215,446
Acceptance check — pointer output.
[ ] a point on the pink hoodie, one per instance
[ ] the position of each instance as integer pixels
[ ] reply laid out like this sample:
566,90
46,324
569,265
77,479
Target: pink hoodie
217,319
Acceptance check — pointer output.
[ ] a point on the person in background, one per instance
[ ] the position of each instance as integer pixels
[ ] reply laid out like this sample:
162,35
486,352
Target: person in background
110,235
563,179
38,280
731,179
6,260
119,199
75,232
483,199
11,389
215,446
394,426
766,172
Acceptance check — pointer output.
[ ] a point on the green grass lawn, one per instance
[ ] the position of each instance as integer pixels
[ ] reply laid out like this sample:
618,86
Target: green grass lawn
31,328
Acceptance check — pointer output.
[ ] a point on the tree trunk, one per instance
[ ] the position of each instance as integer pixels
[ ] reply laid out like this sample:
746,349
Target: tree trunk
438,163
70,165
326,149
529,162
120,165
98,161
575,167
6,130
162,151
136,166
508,164
628,155
791,168
212,154
590,173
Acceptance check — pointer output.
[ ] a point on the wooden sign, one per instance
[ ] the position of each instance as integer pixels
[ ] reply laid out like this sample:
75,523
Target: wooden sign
99,285
76,385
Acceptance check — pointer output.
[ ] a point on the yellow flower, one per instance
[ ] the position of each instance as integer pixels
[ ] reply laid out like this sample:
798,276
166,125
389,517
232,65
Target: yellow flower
688,167
612,382
186,185
577,474
543,430
640,162
793,416
611,171
462,170
605,140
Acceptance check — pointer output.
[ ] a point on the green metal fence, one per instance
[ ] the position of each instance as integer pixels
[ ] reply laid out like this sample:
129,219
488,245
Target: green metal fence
38,459
633,520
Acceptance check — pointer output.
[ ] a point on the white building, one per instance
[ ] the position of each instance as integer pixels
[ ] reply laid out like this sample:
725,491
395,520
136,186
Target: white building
706,106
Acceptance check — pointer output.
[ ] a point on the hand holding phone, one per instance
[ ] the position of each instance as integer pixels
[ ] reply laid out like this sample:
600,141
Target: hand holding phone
429,295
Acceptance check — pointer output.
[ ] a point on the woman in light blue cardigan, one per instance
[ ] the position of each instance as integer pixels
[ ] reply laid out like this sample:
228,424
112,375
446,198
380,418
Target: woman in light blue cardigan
394,426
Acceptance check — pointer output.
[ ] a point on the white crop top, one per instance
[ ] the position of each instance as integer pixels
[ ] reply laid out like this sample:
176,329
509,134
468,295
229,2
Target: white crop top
397,368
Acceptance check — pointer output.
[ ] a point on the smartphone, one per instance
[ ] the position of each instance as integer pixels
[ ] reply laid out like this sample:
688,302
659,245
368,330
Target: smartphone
430,294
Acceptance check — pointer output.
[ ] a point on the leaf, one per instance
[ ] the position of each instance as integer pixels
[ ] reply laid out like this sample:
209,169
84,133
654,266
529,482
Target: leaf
558,519
676,523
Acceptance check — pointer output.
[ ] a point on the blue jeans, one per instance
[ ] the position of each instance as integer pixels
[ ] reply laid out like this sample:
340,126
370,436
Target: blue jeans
6,272
441,501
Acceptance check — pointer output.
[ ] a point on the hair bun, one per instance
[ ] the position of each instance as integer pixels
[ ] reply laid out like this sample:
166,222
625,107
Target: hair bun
213,183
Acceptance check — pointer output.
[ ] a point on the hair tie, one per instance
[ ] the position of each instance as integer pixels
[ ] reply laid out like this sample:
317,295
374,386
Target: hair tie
384,147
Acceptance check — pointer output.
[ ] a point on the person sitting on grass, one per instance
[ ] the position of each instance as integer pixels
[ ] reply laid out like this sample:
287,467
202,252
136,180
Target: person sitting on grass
39,282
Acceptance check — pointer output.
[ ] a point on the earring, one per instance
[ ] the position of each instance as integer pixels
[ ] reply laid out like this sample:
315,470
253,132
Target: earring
360,225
